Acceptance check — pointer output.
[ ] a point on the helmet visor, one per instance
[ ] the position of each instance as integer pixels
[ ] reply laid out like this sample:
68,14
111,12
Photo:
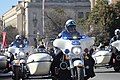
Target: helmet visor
117,33
71,28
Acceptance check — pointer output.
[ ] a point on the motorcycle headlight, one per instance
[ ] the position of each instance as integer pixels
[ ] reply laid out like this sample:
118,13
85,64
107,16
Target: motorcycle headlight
75,37
76,50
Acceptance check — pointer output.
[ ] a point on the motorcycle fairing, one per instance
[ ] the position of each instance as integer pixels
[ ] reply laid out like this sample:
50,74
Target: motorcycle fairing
116,44
68,44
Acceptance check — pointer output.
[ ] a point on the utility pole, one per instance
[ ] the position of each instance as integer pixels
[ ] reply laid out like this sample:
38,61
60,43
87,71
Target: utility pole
43,15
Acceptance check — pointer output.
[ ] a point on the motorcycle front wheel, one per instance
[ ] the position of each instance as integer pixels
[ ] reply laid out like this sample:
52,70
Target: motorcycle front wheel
79,74
16,72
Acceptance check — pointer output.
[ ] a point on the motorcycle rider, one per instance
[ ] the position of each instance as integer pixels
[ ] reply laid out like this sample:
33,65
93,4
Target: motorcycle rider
20,40
116,37
41,47
25,41
70,29
17,41
69,32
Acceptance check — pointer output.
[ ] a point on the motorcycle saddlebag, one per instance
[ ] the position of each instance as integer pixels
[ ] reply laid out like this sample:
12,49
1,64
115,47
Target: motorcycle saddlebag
102,57
39,63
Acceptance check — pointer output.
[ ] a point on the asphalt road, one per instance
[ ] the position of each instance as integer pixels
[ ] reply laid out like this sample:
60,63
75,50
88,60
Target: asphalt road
106,74
101,74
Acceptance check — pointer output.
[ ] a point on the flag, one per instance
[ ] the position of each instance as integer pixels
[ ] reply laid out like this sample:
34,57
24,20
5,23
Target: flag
4,42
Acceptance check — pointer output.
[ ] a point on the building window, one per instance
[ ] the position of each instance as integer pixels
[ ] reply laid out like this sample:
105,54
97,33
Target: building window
80,15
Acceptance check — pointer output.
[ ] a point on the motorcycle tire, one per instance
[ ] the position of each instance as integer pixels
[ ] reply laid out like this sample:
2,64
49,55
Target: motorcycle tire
16,73
22,72
80,73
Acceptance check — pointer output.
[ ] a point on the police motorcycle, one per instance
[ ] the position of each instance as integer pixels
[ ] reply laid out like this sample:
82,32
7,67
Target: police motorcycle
36,66
5,61
20,57
109,57
18,54
102,56
70,64
115,57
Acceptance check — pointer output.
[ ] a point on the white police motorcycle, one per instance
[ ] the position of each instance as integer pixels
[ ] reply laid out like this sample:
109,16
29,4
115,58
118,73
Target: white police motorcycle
70,64
36,66
109,57
18,55
102,57
115,57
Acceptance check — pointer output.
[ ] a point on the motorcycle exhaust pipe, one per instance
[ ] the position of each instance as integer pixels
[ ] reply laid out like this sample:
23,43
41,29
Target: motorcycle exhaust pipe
63,65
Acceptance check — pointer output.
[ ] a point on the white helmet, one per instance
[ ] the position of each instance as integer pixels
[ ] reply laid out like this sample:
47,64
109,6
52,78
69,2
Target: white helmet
117,32
17,37
70,25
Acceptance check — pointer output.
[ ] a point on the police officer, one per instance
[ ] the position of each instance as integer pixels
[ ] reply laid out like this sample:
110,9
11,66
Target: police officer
70,29
117,36
17,41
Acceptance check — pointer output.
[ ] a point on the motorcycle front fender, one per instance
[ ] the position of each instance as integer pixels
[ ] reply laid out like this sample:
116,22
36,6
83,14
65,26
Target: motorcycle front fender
78,63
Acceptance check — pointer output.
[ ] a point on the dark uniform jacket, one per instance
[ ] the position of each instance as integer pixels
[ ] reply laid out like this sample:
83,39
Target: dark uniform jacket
89,66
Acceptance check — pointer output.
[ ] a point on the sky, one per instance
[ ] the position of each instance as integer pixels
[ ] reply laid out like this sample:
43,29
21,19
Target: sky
5,5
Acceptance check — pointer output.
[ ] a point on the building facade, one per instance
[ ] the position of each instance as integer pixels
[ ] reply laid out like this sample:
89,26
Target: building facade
27,15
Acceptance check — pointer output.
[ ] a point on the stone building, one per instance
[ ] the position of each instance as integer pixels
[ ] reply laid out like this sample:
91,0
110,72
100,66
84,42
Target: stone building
27,15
